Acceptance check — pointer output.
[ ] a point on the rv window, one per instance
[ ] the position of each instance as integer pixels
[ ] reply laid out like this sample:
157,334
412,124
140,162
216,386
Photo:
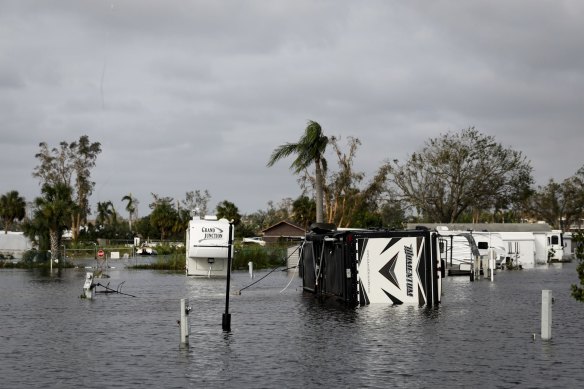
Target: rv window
483,245
555,239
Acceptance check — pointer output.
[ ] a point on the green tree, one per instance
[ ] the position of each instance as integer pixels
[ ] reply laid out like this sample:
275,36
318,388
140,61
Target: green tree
105,214
559,204
164,216
348,203
393,215
460,171
144,228
229,211
131,207
253,223
303,211
71,165
37,230
55,208
578,291
309,150
12,207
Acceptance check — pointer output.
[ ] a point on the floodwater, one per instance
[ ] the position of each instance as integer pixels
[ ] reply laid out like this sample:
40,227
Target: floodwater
480,336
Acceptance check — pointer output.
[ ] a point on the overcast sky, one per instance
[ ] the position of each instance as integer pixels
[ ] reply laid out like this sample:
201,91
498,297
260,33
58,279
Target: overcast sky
187,95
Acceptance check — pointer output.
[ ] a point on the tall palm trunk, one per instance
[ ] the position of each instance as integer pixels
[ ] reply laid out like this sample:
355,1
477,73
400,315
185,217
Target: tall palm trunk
319,192
54,238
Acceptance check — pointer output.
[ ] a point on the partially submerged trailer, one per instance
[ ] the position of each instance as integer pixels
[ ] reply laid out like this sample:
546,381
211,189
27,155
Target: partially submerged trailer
207,247
523,245
359,267
471,253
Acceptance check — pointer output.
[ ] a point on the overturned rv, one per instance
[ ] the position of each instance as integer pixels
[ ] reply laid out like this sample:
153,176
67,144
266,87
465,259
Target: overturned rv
359,267
207,246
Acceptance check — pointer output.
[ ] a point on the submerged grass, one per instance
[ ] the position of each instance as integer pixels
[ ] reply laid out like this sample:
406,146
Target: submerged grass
174,262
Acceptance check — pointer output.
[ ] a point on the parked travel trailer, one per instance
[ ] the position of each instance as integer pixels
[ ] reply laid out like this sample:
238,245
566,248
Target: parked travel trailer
569,247
491,244
458,249
470,253
555,245
520,248
207,246
359,267
520,244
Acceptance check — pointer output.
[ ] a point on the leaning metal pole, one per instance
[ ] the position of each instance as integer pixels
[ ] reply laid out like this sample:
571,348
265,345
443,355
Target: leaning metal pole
226,322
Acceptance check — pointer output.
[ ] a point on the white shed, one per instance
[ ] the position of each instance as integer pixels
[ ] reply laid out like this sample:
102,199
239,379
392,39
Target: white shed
14,244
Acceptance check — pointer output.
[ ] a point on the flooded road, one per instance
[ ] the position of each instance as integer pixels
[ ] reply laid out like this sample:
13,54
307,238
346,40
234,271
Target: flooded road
480,336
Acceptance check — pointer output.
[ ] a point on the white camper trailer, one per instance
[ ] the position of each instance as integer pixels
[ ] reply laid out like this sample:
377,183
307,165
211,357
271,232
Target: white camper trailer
466,252
519,244
14,244
458,249
488,242
520,248
207,247
555,245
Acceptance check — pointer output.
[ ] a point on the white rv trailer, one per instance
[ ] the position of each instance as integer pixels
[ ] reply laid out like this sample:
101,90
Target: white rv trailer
569,246
462,256
525,244
458,249
207,247
555,245
491,241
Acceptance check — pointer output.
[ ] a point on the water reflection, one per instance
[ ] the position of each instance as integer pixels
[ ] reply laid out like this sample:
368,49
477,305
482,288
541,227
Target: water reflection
481,335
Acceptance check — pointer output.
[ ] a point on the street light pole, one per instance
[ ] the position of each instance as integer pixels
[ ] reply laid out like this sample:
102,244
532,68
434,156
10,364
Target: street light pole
226,321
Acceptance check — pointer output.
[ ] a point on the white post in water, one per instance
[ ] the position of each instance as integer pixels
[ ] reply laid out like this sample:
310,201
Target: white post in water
250,265
184,322
88,287
492,263
546,314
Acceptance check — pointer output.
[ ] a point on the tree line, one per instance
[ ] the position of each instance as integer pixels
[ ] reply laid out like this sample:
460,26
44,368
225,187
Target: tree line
462,176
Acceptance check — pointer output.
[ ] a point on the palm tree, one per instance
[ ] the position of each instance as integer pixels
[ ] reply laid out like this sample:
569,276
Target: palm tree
12,207
229,211
130,207
105,213
164,217
55,208
309,149
304,211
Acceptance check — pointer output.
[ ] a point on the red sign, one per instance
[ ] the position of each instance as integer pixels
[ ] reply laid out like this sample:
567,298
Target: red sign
100,253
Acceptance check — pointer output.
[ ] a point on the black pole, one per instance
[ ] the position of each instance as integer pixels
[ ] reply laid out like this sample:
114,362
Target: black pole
226,322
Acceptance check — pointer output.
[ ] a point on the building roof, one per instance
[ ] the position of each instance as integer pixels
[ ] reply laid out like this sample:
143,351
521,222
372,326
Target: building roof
281,224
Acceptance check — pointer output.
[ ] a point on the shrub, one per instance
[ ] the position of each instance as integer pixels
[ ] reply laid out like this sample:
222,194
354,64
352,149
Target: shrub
262,256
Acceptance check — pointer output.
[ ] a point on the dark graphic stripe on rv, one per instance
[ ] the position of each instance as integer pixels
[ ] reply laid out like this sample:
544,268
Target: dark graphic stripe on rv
361,250
388,271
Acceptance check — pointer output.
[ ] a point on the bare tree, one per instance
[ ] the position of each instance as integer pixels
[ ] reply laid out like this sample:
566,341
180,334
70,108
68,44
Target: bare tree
71,165
457,172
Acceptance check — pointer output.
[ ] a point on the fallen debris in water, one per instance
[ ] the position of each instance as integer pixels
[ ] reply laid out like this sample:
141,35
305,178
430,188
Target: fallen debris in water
110,290
90,287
